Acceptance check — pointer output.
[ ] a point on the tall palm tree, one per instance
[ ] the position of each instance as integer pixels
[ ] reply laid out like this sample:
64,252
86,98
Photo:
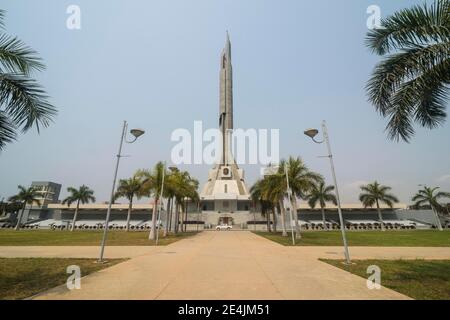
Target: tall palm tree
152,184
274,191
183,187
321,194
129,188
258,193
23,103
25,196
170,191
301,181
429,196
411,84
374,193
81,195
192,194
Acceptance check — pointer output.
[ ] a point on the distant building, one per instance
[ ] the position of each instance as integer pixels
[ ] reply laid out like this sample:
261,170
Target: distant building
48,193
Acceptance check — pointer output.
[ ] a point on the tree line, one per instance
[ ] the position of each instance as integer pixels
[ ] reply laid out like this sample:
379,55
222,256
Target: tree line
272,193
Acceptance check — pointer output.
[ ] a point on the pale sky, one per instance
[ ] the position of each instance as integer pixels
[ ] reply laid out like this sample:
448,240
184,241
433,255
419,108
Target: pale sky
156,64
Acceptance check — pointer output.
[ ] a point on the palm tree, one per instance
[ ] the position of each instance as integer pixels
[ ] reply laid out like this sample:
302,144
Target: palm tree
258,193
431,197
170,191
321,194
374,193
412,83
23,103
81,195
25,196
301,181
182,187
274,191
191,193
152,181
129,188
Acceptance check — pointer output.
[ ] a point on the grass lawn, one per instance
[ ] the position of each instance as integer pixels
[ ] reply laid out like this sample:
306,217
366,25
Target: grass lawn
82,238
410,238
23,277
418,279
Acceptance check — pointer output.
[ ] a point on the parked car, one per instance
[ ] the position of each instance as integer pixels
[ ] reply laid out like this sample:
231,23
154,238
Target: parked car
223,227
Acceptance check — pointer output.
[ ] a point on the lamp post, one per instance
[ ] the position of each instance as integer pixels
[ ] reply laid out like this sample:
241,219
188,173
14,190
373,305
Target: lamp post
312,133
289,192
136,133
160,203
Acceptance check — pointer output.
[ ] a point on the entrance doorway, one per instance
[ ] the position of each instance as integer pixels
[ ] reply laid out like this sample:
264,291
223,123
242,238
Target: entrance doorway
226,221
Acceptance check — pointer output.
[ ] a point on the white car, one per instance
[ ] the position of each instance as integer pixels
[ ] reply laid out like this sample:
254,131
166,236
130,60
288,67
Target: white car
223,227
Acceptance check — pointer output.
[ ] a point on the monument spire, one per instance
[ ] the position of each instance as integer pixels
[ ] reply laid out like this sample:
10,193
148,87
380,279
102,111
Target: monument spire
226,101
225,186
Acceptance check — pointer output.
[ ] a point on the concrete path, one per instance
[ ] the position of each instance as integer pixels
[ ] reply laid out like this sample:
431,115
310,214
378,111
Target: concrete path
234,265
112,252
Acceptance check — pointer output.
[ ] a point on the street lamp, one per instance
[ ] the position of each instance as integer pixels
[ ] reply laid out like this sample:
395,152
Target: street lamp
289,192
312,133
136,133
160,203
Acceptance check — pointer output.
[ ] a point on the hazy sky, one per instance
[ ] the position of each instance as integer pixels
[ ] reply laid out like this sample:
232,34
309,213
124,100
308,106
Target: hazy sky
156,64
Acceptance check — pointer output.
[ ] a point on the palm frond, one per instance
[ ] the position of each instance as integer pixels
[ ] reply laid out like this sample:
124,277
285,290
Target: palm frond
25,102
412,85
16,57
416,25
2,17
7,130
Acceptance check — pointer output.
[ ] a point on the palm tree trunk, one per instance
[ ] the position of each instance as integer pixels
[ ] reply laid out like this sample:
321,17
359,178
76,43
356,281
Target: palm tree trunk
75,216
171,214
269,229
297,225
325,227
380,217
152,235
176,225
438,221
19,218
275,212
185,215
130,207
182,217
166,227
283,219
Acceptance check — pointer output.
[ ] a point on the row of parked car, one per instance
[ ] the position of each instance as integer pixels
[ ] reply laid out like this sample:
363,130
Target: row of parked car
146,225
81,225
367,225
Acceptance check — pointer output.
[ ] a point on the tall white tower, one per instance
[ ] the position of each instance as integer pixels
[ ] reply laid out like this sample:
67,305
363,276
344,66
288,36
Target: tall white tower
226,102
225,191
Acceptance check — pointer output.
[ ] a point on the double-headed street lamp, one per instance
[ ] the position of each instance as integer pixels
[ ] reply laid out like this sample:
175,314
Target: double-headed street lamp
289,192
312,133
136,133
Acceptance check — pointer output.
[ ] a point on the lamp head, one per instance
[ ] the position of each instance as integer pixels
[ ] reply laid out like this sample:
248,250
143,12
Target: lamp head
311,133
137,132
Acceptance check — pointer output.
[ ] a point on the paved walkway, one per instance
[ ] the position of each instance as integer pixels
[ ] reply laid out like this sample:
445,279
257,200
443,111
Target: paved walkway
235,265
112,252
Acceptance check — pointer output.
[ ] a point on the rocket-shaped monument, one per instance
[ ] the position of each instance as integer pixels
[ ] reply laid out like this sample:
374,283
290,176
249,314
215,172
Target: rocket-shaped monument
225,191
226,102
